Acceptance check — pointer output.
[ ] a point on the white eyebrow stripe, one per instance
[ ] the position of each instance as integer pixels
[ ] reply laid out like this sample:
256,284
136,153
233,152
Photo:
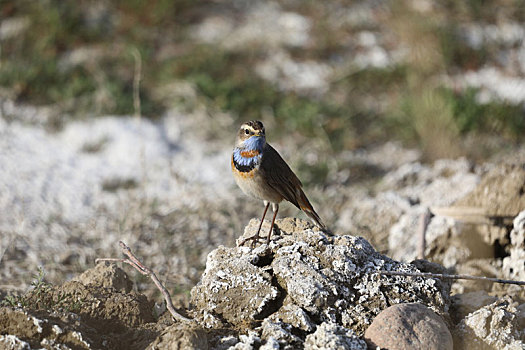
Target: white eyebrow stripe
246,126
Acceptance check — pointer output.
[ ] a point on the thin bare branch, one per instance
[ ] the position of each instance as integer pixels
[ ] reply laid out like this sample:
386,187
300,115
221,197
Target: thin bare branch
445,276
473,215
424,220
143,269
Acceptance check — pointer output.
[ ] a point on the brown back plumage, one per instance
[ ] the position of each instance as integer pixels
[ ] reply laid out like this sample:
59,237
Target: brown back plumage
282,179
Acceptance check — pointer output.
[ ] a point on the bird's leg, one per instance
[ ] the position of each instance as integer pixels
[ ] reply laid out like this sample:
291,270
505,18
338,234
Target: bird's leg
275,208
255,237
262,220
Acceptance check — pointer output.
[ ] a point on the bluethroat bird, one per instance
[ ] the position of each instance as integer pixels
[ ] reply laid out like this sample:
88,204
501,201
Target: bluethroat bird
262,173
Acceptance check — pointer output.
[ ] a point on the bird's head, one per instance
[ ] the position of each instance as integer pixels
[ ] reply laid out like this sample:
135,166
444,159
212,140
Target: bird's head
251,136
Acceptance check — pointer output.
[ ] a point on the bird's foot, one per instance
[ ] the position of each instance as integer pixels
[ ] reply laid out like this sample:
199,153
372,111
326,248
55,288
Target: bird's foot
253,238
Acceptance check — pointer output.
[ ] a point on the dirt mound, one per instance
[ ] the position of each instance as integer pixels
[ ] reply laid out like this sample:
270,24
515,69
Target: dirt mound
88,313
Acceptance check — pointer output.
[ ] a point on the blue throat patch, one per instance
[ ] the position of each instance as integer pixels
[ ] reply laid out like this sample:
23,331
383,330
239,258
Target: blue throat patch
244,164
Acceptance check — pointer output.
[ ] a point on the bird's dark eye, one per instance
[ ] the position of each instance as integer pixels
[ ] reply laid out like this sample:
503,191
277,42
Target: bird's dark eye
247,132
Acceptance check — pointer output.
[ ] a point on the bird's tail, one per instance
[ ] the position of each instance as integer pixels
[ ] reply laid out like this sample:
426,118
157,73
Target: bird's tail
308,209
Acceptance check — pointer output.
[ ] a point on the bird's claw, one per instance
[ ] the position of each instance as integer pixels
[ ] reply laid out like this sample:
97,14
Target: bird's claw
253,238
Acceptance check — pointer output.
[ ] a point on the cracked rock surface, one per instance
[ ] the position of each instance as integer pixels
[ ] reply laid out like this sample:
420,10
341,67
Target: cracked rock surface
302,280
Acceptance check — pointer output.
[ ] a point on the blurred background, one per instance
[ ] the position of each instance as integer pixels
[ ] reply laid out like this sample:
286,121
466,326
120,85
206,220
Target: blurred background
117,118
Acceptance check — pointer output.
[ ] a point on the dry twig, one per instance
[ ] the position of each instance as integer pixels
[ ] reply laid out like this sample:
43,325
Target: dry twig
445,276
473,215
424,220
143,269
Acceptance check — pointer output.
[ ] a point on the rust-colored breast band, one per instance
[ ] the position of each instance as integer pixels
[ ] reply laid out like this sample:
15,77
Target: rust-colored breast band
250,154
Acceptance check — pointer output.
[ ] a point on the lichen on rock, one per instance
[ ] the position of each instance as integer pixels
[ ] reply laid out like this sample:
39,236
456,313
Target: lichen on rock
233,289
302,280
333,336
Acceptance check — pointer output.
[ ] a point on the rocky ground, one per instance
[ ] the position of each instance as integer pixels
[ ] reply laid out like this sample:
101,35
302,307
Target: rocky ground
305,290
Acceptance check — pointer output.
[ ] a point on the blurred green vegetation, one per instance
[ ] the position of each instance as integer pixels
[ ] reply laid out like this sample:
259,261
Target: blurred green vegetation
366,106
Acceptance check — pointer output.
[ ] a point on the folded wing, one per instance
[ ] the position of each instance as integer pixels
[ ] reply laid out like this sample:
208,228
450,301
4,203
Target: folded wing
283,180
